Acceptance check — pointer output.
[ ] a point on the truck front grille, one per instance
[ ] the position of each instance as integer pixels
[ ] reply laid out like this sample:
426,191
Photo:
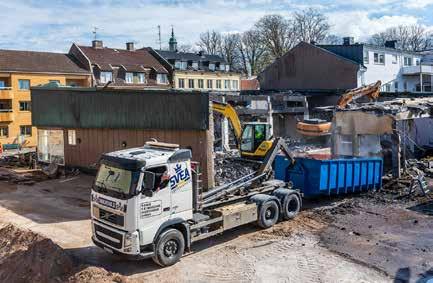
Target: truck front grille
108,237
116,219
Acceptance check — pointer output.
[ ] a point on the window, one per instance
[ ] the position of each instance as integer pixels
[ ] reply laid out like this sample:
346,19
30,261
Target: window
210,84
366,59
129,78
222,67
394,59
212,66
25,106
24,84
200,83
190,83
4,132
405,86
2,84
181,83
379,58
227,84
161,177
195,65
407,61
72,137
106,77
26,130
184,65
140,78
218,84
417,61
227,68
235,84
178,64
161,79
54,81
396,86
387,87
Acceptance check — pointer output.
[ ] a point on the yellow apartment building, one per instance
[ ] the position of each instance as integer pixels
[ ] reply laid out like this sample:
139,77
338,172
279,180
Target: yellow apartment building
21,70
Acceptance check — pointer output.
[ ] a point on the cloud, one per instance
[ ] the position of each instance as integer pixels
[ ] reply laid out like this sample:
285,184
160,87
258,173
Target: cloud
53,25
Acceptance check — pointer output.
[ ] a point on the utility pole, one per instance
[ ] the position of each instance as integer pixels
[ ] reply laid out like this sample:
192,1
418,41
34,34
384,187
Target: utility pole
159,37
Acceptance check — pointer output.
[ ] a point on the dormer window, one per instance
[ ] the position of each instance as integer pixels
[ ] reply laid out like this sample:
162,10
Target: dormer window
222,67
140,78
178,64
184,65
106,77
129,78
161,79
212,66
227,68
195,65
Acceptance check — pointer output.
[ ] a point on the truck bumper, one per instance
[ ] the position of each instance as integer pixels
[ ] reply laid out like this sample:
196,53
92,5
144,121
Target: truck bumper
140,256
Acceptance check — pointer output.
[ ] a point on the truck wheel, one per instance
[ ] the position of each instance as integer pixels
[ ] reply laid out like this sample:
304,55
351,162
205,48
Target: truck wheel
169,247
268,214
291,206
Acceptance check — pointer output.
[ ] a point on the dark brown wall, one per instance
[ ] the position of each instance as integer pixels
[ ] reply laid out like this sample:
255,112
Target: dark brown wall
308,67
94,142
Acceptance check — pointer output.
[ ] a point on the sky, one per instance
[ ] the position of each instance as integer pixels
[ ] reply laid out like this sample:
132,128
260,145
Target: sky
53,25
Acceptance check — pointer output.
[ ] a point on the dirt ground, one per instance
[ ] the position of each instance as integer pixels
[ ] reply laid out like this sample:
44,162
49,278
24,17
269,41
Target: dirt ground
336,240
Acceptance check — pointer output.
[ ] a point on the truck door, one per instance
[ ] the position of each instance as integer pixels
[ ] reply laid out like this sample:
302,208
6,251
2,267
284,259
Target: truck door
181,187
157,206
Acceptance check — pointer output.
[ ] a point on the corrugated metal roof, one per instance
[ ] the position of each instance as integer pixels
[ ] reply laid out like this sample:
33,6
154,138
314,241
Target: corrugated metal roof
119,109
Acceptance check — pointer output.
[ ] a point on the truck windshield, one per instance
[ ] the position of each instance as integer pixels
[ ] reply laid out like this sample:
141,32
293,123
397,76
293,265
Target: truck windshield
116,179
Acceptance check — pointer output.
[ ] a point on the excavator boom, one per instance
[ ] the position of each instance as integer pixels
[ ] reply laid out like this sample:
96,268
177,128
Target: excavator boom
371,91
230,113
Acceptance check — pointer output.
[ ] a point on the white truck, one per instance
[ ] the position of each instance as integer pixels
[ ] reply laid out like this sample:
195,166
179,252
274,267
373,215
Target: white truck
147,202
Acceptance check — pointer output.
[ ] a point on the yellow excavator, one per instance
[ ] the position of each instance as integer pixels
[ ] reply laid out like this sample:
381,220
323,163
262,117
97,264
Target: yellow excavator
317,127
253,139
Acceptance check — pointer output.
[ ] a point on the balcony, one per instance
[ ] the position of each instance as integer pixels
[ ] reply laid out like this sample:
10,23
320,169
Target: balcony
416,70
6,115
6,93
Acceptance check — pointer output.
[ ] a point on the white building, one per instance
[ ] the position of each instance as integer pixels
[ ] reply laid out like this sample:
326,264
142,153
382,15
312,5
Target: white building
399,70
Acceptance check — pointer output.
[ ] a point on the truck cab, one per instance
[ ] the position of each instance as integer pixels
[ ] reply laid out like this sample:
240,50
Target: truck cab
146,202
138,191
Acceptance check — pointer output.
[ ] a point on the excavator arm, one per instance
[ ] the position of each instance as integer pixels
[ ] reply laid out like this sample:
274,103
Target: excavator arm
372,91
230,113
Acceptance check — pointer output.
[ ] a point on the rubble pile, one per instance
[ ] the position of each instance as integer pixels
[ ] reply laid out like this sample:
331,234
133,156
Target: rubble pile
26,159
229,167
29,257
26,178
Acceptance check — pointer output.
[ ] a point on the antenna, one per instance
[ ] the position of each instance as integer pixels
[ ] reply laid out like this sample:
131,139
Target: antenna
95,29
159,37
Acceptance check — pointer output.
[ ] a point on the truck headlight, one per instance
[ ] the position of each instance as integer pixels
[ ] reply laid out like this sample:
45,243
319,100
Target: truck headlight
130,238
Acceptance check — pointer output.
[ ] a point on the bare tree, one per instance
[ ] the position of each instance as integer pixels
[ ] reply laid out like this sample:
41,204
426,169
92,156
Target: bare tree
331,39
210,42
310,25
188,48
252,52
276,33
414,37
229,49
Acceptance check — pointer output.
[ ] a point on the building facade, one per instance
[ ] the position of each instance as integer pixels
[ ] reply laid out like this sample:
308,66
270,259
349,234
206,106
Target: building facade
350,65
21,70
121,68
198,71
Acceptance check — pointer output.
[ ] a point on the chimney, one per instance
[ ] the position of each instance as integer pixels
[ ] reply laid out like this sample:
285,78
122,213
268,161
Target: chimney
130,46
390,43
348,40
97,44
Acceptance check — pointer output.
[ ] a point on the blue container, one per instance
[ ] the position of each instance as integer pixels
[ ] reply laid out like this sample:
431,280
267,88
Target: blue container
315,177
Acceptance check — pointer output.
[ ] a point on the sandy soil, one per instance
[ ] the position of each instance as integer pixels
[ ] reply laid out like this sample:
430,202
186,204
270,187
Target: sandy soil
292,251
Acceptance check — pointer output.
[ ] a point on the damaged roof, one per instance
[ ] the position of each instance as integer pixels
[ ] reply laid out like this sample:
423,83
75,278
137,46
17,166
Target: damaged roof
133,61
39,62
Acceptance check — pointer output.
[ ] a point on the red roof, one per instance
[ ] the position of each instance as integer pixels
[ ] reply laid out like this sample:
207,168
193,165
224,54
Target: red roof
250,84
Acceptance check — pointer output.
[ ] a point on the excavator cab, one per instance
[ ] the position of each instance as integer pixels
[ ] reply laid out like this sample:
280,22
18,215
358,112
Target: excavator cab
255,140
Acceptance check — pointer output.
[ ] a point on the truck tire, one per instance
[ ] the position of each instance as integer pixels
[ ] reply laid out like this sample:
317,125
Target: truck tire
268,214
169,247
290,207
